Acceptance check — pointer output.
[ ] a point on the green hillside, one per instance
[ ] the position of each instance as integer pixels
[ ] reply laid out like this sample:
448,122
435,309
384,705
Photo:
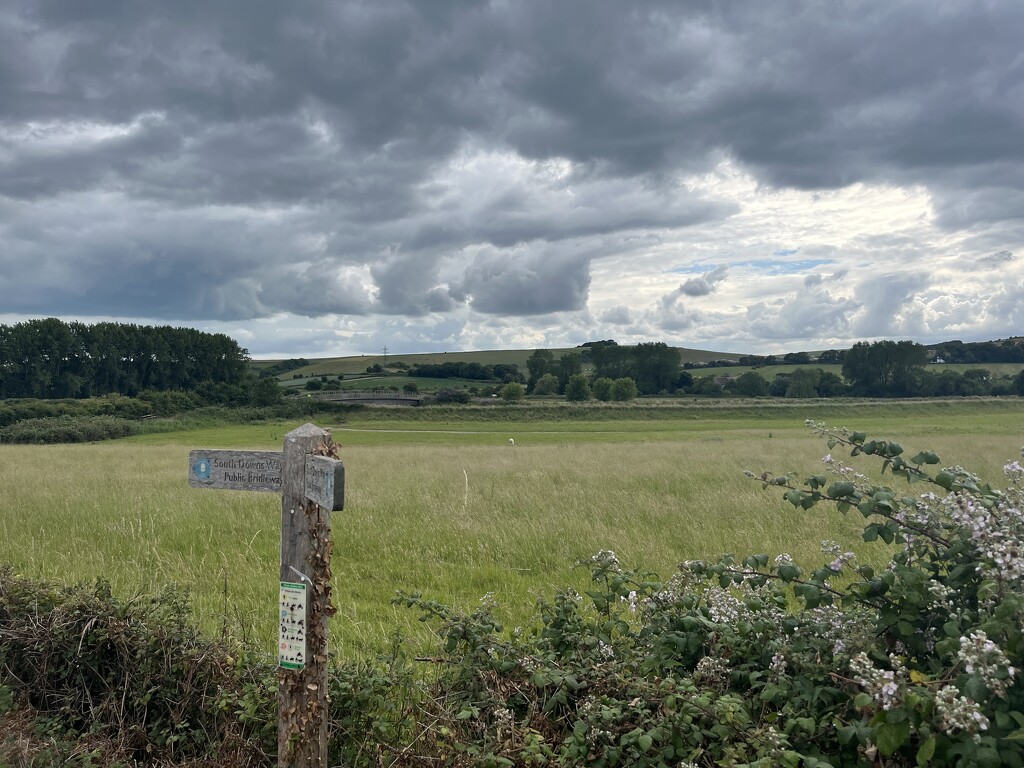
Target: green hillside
348,366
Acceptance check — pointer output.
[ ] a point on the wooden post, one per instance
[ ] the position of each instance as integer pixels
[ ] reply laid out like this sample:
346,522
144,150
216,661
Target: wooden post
311,481
305,564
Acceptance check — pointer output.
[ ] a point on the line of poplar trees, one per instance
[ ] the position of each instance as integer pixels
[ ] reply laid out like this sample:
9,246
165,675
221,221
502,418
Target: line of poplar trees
52,359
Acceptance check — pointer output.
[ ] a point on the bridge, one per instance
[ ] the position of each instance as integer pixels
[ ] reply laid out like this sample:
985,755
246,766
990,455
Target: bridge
380,396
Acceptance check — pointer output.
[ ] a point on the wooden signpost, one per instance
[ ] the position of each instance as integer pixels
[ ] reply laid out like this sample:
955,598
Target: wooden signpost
311,481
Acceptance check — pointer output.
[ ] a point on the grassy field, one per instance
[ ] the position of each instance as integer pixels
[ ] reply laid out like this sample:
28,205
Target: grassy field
445,506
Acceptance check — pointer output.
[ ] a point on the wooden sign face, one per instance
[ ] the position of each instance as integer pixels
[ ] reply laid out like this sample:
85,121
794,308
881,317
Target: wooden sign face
235,470
325,482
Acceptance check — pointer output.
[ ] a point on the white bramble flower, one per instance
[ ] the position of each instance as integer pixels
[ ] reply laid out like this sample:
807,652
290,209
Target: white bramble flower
778,664
504,721
959,713
712,671
840,558
672,592
882,684
980,656
606,559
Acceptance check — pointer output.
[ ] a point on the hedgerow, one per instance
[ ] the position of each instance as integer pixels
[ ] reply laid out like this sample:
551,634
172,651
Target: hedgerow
736,661
69,429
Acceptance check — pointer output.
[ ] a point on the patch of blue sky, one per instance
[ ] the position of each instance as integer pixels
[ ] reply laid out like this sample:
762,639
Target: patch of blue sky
780,267
773,266
698,268
785,252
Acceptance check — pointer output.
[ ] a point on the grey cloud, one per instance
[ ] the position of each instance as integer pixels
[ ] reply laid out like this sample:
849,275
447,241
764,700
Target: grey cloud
814,313
978,201
702,286
137,260
618,315
696,286
812,280
534,283
677,320
320,288
887,305
638,89
996,259
406,285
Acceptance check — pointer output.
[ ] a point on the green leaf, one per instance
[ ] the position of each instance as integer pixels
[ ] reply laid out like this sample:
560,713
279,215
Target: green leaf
788,572
644,742
945,480
926,751
975,688
891,736
925,457
841,489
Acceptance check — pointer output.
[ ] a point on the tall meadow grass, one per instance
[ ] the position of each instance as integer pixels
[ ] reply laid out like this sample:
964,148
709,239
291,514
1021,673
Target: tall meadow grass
446,509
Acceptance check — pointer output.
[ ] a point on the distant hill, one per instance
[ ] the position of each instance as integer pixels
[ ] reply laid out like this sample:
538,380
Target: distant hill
335,366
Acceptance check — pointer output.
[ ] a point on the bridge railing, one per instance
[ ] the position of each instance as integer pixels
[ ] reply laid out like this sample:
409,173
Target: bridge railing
364,394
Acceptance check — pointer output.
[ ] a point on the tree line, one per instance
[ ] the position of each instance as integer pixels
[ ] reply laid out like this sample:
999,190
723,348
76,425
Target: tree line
654,367
49,358
869,369
505,372
876,369
961,352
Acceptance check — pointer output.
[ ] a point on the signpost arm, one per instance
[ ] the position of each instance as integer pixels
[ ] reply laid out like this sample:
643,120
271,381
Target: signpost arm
305,558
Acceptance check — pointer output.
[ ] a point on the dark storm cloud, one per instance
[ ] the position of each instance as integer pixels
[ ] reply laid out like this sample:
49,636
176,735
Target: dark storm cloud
531,283
191,148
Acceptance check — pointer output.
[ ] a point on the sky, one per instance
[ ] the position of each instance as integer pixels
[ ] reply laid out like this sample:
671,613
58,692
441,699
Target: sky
334,177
